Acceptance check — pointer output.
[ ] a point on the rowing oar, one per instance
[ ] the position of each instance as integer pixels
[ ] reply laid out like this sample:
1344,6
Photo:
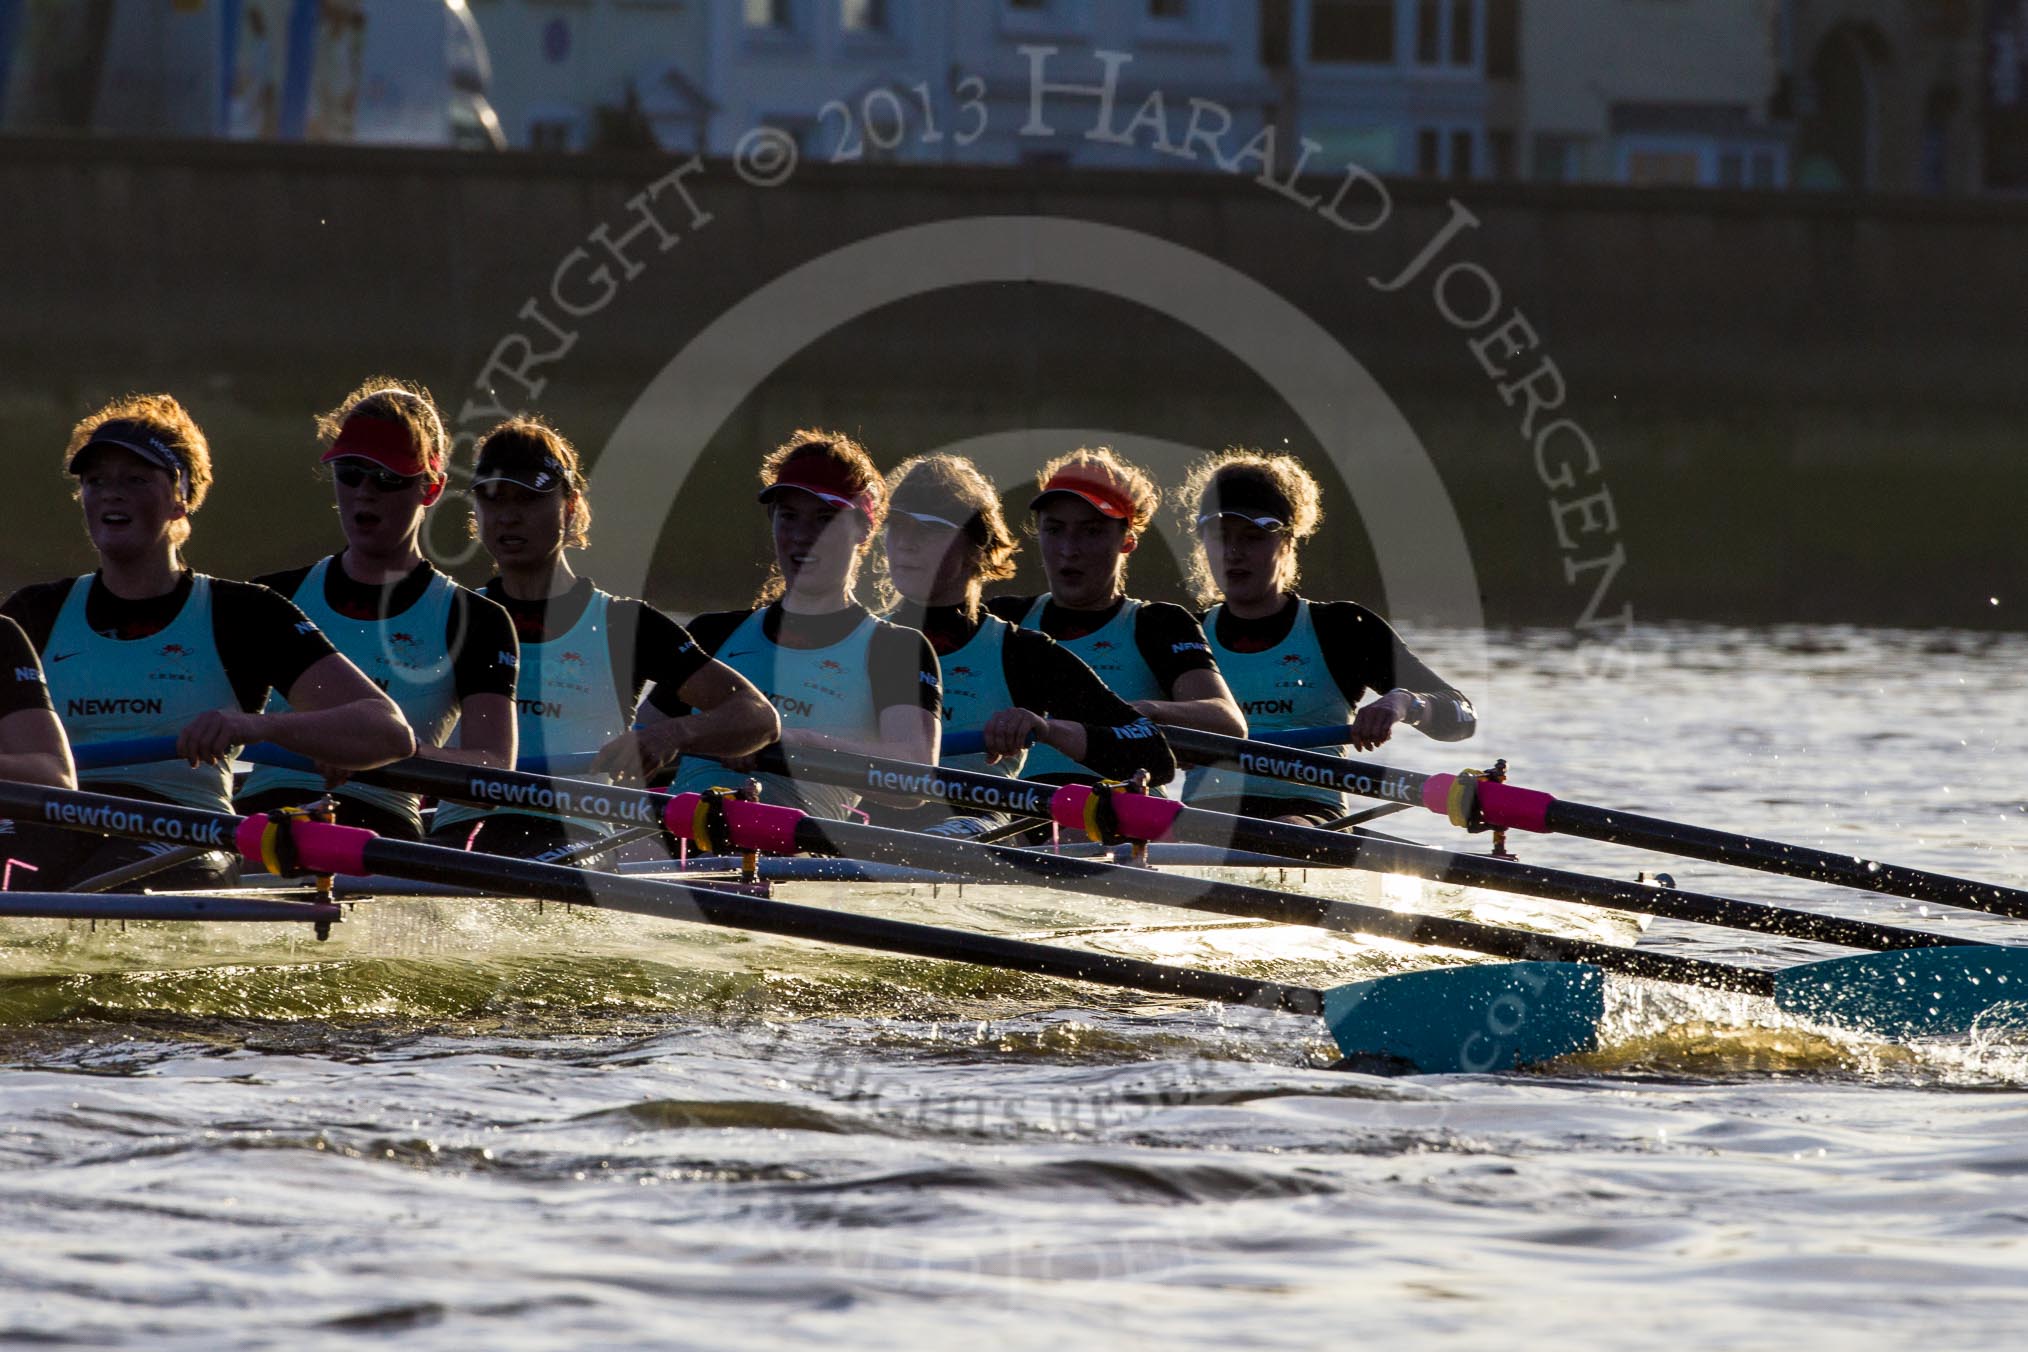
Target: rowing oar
1156,819
1944,987
161,906
1481,804
1077,807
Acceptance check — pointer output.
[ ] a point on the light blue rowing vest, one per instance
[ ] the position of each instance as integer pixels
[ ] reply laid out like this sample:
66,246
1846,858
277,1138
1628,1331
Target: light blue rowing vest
405,655
975,688
566,703
1287,686
1110,651
109,689
823,689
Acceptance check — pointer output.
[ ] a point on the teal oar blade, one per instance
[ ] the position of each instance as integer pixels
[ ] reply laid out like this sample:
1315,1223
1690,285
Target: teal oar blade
1486,1017
1921,992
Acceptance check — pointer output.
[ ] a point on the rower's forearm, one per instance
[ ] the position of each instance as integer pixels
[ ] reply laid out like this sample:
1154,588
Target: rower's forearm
361,735
1118,752
38,767
1447,718
1206,715
740,725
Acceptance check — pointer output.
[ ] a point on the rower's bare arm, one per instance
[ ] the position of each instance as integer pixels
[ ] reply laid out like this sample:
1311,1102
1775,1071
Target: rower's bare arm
730,719
338,718
487,730
1202,701
33,749
1010,732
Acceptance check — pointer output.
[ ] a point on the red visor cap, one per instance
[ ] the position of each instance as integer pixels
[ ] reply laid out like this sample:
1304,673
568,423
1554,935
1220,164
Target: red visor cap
387,444
1109,498
821,477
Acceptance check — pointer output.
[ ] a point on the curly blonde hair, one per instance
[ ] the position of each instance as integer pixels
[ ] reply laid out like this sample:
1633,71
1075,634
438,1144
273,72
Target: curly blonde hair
1130,479
953,486
164,416
1283,474
861,475
531,433
402,402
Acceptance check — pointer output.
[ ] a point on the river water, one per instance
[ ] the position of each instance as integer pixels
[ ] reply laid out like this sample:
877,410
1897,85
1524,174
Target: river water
774,1146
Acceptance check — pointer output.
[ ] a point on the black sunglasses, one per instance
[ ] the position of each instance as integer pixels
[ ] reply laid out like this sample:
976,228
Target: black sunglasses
352,474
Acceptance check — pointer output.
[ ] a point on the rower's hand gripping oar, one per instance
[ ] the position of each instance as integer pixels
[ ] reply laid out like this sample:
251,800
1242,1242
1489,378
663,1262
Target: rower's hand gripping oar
1478,804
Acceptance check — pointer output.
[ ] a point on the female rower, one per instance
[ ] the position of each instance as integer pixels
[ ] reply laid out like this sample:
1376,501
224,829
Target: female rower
946,539
1294,662
144,646
32,745
1090,516
585,653
842,679
445,655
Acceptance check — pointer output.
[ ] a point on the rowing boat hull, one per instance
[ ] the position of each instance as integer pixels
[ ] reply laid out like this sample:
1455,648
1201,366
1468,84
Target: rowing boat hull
448,928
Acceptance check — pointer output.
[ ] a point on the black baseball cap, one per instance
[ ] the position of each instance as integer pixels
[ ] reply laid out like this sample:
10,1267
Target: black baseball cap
1249,497
520,460
130,434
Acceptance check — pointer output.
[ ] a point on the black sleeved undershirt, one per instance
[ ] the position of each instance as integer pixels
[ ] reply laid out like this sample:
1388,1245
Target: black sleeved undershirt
263,641
1169,638
902,668
1362,653
21,684
1046,678
643,644
478,633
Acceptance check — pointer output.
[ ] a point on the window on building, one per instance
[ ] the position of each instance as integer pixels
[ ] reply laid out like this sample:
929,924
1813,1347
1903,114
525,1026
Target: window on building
1359,32
1172,11
1500,154
1429,32
1274,34
1503,39
1462,34
1731,169
863,16
1662,168
1463,146
769,13
1429,153
551,134
1558,159
1767,169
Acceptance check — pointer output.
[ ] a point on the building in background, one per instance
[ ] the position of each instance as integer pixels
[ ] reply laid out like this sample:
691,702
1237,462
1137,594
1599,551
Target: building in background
385,72
1923,96
597,74
1632,91
1886,93
1424,87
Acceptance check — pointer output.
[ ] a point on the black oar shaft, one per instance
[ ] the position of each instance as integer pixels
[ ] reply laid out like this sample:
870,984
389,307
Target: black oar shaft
1773,856
1471,870
1309,844
1369,780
